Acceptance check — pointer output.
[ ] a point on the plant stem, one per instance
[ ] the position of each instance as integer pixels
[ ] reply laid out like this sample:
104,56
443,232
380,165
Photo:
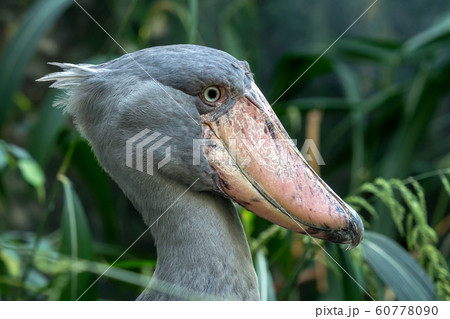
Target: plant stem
193,9
51,206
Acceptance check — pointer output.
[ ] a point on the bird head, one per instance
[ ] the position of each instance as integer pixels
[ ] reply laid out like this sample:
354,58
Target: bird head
215,130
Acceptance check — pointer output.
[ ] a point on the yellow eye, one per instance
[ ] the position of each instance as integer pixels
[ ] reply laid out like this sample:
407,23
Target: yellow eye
211,94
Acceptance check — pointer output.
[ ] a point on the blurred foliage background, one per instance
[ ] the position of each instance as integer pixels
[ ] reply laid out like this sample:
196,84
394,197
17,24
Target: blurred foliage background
377,103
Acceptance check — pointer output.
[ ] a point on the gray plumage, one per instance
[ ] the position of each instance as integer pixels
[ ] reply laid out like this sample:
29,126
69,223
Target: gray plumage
200,242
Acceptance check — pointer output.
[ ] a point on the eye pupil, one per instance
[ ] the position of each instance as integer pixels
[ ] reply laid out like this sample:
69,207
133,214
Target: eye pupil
211,94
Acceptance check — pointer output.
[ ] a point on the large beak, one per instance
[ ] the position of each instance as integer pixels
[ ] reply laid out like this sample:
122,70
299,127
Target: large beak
259,167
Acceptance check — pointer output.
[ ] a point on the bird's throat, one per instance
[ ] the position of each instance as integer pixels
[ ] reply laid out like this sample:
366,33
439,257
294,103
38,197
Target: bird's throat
202,252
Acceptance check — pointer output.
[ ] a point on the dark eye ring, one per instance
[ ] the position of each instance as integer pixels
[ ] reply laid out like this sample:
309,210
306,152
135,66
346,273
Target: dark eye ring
211,94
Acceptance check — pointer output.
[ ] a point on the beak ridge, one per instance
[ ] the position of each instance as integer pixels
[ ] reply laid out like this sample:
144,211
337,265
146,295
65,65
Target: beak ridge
260,167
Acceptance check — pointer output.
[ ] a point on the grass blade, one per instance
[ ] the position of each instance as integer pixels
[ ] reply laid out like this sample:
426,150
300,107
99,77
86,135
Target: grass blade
44,133
76,241
266,288
437,32
396,268
17,54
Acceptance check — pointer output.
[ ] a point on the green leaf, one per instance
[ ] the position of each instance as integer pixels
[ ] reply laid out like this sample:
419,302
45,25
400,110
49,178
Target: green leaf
30,170
446,183
351,87
396,268
349,82
232,42
17,54
248,221
11,261
352,286
18,152
266,287
193,24
437,32
3,156
43,134
33,174
76,242
368,49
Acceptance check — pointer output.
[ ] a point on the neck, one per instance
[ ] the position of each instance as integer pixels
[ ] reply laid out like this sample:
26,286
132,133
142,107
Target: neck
202,252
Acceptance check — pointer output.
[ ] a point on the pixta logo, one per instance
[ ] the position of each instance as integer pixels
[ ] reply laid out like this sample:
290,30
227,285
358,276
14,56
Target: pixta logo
143,145
141,148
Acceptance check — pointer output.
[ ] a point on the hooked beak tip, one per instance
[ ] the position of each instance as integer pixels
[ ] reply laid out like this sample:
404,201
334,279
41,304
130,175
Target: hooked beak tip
356,228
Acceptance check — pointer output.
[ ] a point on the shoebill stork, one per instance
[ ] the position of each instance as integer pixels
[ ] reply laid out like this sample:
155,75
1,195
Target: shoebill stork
225,144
